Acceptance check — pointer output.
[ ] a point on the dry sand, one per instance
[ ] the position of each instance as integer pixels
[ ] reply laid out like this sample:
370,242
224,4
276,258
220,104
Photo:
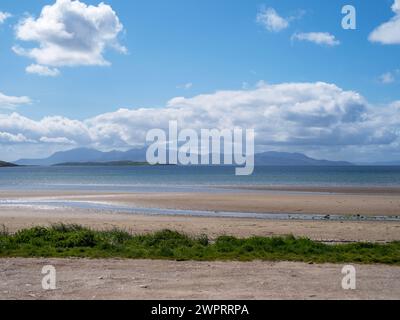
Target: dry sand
139,279
328,231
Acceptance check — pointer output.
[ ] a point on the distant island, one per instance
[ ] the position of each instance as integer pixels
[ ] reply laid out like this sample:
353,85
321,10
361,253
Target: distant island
273,158
96,164
135,157
7,164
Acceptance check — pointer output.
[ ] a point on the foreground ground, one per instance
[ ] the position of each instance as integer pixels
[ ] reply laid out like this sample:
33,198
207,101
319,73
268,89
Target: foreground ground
143,279
152,279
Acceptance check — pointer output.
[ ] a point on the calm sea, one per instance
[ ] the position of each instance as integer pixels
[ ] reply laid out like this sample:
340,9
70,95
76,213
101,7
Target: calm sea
177,178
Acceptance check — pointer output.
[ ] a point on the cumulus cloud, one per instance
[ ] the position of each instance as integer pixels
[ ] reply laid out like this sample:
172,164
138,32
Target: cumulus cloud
47,130
387,78
320,38
388,32
69,33
271,20
288,116
42,70
59,141
8,138
4,16
10,102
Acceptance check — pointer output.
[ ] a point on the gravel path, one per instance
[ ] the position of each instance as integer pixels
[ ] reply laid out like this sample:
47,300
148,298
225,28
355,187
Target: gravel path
145,279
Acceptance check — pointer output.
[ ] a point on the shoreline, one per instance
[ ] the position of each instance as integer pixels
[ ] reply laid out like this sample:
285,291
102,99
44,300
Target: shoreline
354,204
345,189
287,189
133,210
213,224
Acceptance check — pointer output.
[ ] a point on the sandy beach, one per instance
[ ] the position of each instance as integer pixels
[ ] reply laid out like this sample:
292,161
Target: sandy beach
360,202
138,279
329,231
382,202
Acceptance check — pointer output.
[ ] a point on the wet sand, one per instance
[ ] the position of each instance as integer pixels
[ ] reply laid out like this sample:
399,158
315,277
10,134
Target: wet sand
387,190
139,279
361,202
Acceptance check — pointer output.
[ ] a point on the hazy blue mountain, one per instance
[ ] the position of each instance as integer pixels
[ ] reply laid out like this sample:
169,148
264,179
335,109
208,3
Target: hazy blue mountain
293,159
86,155
75,155
380,163
139,155
6,164
106,164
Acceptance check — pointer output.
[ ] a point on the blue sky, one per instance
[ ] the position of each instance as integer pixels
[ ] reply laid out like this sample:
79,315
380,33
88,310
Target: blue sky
186,48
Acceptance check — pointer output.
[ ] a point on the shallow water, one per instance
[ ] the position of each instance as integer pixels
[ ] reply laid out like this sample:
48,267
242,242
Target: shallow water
190,179
104,207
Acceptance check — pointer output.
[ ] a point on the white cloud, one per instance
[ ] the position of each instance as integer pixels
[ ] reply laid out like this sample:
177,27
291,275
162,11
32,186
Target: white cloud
185,86
4,16
291,116
8,138
388,32
70,33
42,70
396,6
387,78
320,38
49,130
10,102
59,141
271,20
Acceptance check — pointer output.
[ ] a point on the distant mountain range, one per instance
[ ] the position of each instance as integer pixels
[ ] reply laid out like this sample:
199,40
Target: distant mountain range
293,159
106,164
6,164
84,155
380,163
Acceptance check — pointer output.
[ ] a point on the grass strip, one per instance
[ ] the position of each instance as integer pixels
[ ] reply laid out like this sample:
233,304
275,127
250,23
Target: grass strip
62,241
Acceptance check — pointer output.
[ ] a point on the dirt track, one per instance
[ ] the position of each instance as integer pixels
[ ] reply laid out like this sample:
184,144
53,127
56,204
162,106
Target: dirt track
139,279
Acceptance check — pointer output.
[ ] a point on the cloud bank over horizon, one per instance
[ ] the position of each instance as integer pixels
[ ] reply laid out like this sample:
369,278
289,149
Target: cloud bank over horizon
318,118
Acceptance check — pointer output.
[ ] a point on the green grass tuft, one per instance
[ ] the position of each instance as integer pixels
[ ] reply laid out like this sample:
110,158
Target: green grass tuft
76,241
